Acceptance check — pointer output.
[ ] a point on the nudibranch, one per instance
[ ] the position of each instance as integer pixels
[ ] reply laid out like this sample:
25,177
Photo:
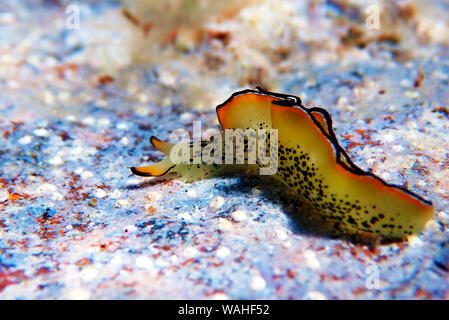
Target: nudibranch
312,164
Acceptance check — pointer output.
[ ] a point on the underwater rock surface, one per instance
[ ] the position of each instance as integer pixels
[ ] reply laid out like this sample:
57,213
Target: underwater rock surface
76,224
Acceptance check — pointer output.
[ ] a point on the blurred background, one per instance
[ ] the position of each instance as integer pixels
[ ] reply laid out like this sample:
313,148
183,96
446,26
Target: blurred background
205,50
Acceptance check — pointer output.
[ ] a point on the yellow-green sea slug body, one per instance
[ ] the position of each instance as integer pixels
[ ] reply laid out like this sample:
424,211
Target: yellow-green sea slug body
312,164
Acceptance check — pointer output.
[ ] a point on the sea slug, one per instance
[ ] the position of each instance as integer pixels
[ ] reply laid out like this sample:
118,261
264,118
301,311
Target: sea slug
309,161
